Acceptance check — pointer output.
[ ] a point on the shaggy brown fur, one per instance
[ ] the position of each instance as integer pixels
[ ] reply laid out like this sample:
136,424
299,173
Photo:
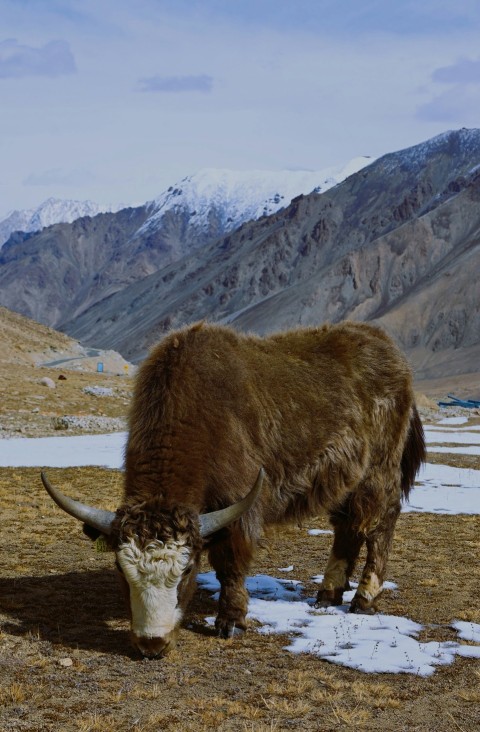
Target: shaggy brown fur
151,520
328,412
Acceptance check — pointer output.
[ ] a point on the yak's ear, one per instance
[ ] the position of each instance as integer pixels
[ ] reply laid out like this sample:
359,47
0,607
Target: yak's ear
92,534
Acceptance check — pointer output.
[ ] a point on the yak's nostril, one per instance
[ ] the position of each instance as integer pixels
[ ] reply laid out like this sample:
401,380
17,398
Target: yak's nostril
152,647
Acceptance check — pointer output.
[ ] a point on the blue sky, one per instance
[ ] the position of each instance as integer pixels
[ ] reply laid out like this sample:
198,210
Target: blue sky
114,100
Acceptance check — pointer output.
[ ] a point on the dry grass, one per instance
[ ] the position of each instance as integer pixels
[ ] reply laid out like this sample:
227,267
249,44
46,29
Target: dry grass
32,409
12,694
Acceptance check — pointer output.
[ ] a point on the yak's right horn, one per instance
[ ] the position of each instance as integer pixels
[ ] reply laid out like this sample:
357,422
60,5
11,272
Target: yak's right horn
216,520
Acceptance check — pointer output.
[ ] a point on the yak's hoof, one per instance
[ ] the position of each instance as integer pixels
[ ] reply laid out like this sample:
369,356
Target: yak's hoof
361,606
326,603
327,598
228,629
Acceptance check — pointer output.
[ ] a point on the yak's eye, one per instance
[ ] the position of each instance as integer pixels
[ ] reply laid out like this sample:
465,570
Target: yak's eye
187,570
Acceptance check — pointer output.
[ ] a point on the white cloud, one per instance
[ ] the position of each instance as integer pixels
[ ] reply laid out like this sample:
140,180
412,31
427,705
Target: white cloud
201,83
464,71
459,103
53,59
164,89
457,106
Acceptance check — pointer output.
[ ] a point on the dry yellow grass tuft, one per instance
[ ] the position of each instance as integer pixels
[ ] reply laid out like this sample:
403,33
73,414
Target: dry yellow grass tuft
97,723
13,694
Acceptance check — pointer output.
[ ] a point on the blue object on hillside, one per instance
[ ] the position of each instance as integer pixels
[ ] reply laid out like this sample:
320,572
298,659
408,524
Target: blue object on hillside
456,402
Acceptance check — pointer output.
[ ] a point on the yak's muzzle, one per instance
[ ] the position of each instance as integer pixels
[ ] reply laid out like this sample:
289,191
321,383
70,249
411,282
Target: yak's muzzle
155,647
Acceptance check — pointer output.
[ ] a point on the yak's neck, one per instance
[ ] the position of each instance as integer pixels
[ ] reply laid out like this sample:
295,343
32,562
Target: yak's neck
166,464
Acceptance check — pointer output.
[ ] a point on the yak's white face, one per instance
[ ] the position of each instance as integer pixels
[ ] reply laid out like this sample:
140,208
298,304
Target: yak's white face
153,574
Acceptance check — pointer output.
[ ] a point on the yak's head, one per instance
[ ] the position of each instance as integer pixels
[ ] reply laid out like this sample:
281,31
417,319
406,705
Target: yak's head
157,552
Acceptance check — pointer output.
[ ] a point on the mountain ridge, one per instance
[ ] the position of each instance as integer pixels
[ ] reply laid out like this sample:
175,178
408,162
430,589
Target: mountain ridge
247,195
66,268
49,212
354,251
253,193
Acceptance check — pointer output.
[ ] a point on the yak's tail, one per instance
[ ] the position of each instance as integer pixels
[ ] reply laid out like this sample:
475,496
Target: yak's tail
414,452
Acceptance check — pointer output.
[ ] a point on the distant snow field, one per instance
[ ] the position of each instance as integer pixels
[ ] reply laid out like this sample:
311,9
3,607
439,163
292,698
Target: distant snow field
376,643
468,437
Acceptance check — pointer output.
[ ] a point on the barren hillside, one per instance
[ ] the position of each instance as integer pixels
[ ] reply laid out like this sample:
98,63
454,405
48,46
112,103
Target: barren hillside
50,384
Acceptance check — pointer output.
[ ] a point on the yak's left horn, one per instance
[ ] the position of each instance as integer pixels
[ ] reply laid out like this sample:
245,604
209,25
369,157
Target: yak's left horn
94,517
216,520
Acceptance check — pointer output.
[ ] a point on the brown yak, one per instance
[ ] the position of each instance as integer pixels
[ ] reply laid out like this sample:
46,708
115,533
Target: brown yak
325,417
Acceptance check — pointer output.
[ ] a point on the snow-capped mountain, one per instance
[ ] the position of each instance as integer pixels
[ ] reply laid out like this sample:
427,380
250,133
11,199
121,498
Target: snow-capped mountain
396,243
51,211
234,197
89,259
229,197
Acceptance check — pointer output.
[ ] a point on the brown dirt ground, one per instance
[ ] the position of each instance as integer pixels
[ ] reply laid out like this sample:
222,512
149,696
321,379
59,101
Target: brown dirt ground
30,409
65,659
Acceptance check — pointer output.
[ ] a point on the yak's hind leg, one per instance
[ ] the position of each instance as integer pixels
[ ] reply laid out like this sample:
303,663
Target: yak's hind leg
378,541
230,557
369,514
346,547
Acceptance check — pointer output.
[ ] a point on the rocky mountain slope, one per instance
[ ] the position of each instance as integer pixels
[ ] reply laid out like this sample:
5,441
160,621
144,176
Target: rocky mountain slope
397,242
55,275
61,271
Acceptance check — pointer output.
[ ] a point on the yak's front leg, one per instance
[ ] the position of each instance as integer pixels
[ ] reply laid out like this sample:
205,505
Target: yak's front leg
230,557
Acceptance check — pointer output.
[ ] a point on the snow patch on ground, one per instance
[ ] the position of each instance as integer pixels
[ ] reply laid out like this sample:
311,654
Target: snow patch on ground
467,631
369,643
453,420
318,532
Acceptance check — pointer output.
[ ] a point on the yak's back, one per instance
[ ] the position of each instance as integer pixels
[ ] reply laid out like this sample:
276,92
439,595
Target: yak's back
209,399
208,361
203,348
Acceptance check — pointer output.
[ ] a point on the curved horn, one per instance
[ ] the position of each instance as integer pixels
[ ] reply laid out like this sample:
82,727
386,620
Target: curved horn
94,517
216,520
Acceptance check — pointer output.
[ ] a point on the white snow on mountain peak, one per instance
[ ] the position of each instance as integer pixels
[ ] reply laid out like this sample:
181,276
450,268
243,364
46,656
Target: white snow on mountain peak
231,197
239,196
466,141
52,211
